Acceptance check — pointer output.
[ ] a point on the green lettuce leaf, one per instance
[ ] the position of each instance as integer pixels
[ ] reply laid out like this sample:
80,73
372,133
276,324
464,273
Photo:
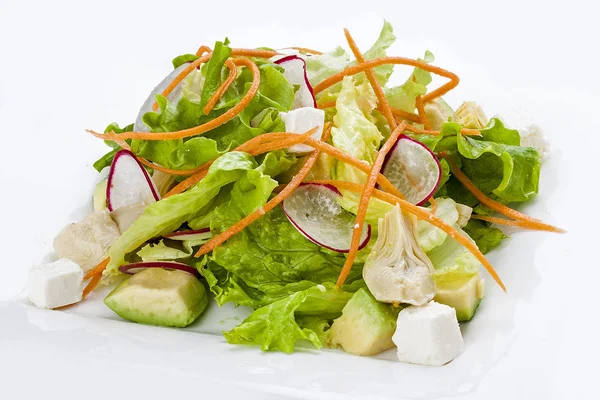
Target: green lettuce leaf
107,159
161,252
353,130
404,96
509,172
303,315
168,214
268,260
452,262
486,237
182,59
429,236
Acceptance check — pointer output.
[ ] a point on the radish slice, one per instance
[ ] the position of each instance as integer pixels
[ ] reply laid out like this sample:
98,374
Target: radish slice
295,73
174,96
134,268
313,209
129,183
200,234
413,169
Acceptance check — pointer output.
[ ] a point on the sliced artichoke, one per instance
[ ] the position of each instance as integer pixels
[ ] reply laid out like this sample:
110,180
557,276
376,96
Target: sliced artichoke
397,270
470,115
87,242
464,214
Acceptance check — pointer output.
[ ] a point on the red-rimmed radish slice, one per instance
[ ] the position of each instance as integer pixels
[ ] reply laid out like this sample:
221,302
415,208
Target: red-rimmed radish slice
129,183
295,73
134,268
314,210
198,234
139,125
413,169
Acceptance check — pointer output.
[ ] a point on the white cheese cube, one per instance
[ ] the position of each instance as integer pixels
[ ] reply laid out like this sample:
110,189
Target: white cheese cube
301,120
428,335
56,284
531,133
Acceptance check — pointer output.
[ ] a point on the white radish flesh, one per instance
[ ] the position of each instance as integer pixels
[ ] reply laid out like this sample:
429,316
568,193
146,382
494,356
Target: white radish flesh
314,210
129,183
295,73
413,169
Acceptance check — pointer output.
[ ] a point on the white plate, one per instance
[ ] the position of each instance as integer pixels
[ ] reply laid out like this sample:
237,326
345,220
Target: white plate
534,342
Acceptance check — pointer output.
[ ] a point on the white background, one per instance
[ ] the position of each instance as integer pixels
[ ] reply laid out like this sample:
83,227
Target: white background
66,66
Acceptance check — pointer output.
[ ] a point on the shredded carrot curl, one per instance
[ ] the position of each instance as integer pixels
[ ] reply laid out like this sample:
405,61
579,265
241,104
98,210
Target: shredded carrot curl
367,192
424,215
214,99
193,65
434,205
367,65
98,269
253,53
250,218
383,103
304,50
200,129
203,49
532,223
252,146
511,222
91,286
464,131
422,115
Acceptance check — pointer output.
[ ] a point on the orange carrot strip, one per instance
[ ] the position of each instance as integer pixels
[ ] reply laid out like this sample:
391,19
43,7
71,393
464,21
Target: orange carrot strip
422,115
249,147
223,88
98,269
405,115
365,197
353,70
91,286
534,223
434,205
194,64
253,53
250,218
355,162
304,50
203,49
511,222
464,131
200,129
424,215
384,106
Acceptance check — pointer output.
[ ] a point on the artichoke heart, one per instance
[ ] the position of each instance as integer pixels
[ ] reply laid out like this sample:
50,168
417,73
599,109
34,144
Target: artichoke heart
397,270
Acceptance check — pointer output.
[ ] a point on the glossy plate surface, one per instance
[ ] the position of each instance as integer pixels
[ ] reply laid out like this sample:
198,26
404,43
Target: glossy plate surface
534,342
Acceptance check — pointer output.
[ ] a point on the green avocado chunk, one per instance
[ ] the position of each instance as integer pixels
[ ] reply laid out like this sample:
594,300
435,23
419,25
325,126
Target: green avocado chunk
463,296
156,296
365,327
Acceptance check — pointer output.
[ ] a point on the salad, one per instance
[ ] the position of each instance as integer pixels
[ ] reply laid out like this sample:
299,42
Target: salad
346,211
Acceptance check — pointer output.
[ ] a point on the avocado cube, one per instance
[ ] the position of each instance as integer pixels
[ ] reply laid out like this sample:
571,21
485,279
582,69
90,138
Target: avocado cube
365,327
463,296
156,296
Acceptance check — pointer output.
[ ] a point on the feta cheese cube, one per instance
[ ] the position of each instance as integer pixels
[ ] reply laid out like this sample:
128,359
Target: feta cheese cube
55,284
301,120
428,335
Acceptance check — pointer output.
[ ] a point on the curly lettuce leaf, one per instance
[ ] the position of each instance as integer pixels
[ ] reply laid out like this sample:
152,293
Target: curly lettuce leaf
453,262
268,260
161,252
182,59
353,130
303,315
321,67
405,95
486,237
510,172
429,236
168,214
